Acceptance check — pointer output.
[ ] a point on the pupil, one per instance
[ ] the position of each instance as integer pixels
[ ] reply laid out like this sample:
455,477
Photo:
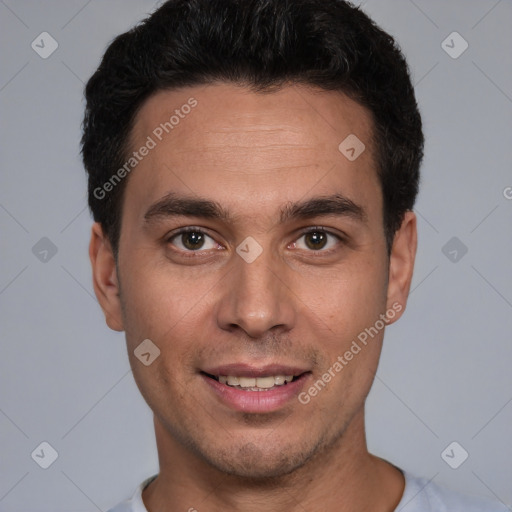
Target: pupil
192,240
316,240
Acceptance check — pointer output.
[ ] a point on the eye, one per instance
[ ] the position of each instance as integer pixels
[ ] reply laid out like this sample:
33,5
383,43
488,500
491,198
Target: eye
317,239
192,239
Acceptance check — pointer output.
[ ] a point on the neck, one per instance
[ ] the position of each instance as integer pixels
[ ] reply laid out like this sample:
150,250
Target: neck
342,478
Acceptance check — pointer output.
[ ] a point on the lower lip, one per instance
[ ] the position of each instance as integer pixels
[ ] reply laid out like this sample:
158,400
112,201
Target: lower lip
257,401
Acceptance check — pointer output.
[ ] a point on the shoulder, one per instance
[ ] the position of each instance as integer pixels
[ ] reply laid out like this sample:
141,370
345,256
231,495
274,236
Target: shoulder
423,495
135,503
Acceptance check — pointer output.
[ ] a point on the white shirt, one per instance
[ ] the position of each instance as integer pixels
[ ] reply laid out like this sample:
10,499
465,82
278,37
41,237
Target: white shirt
419,495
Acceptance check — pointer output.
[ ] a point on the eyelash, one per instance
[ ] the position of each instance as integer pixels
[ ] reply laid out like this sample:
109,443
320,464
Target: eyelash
313,229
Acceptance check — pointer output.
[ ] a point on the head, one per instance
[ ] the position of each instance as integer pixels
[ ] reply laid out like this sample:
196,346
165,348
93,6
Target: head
292,249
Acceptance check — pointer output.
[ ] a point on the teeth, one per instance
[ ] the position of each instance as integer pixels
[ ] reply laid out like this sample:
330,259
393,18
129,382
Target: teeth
265,382
253,384
245,382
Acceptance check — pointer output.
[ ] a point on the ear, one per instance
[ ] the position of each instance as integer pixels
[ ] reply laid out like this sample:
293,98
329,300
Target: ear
401,265
106,286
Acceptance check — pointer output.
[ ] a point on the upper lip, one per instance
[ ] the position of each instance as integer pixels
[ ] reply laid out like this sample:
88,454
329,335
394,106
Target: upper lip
247,370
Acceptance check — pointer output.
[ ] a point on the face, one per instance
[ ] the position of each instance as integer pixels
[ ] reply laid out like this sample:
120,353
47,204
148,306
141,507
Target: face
253,255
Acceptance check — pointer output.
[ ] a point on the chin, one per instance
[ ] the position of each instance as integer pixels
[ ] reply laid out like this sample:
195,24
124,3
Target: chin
260,462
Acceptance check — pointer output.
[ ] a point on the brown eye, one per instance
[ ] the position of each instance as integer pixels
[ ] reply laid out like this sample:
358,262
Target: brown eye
318,240
192,240
315,240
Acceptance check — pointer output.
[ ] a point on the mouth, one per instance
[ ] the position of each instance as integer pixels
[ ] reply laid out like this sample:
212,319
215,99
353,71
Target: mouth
265,383
255,390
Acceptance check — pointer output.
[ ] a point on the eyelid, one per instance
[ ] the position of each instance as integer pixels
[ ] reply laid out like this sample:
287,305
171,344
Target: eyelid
322,229
186,229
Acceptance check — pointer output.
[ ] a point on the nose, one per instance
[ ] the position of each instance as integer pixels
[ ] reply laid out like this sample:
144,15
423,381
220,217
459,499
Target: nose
257,297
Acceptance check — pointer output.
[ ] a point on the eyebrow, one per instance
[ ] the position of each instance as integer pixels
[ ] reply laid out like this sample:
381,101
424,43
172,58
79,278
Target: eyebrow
173,205
330,205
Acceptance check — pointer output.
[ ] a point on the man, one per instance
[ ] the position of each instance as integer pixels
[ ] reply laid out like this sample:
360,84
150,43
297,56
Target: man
253,165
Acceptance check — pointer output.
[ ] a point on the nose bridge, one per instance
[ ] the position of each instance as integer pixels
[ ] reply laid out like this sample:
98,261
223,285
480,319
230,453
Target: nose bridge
256,298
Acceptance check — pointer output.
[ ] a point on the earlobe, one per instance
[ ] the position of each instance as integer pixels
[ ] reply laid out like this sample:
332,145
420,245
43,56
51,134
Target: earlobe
106,286
401,264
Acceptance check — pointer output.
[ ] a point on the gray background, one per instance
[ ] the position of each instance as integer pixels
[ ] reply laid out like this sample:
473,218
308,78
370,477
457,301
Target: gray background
445,374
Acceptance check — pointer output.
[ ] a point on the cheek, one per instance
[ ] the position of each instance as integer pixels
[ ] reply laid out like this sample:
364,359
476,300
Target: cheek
173,311
165,310
157,301
348,297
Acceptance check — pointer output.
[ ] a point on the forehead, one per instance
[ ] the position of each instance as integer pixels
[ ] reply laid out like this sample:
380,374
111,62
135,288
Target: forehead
240,147
225,113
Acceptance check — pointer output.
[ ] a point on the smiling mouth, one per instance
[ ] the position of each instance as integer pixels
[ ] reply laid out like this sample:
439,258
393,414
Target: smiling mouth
263,383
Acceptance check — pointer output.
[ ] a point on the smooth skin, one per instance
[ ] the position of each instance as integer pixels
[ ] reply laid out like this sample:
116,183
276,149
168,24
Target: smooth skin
301,303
